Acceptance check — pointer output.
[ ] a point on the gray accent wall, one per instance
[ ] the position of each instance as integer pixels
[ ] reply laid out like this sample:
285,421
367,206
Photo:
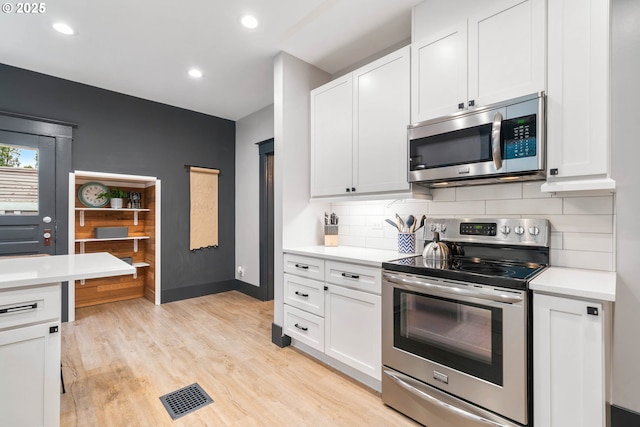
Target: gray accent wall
625,92
118,133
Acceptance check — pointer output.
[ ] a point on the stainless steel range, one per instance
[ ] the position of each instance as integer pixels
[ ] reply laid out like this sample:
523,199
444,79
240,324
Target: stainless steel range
456,323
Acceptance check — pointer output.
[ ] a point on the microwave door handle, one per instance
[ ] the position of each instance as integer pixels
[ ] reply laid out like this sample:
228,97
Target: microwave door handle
495,140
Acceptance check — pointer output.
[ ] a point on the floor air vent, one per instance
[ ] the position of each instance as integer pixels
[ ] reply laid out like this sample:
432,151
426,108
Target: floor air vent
186,400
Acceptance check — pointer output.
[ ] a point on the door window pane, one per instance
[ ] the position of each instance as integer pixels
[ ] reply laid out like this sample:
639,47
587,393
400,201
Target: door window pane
18,180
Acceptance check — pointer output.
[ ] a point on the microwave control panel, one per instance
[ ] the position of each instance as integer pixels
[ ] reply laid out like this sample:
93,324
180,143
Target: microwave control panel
519,137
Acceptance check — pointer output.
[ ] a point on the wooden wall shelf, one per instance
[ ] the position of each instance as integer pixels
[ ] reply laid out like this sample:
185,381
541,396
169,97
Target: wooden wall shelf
143,226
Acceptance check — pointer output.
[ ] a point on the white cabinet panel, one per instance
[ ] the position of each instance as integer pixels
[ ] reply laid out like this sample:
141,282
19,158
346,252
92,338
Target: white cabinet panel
332,137
305,294
359,277
353,329
381,115
439,73
578,89
313,268
305,327
506,51
569,362
30,372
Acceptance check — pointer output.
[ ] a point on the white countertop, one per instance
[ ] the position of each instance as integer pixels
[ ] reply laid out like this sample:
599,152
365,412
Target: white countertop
28,271
352,254
575,282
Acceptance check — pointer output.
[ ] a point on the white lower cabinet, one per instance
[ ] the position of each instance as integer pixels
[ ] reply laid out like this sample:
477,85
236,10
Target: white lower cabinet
30,356
305,327
339,317
569,362
353,329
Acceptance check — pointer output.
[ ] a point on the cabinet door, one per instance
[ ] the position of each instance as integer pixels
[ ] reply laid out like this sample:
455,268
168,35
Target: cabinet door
568,362
578,92
30,372
381,115
353,329
331,138
506,51
439,74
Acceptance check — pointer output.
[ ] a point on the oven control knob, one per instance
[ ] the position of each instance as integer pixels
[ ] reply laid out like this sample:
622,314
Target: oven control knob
534,231
443,227
505,229
433,227
519,230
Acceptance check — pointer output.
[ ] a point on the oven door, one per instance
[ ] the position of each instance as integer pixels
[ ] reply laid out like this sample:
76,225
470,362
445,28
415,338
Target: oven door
465,339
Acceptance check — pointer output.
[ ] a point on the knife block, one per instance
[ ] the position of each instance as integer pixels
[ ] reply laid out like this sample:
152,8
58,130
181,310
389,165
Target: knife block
331,235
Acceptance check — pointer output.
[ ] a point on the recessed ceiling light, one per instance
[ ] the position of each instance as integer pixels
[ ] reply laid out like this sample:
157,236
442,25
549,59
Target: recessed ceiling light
195,73
249,21
63,28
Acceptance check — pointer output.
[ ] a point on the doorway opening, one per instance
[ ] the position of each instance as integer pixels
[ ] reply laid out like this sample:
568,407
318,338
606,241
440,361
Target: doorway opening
266,219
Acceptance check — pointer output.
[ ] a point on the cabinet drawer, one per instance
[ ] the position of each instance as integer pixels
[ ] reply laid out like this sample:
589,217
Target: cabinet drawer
29,306
312,268
305,294
305,327
360,277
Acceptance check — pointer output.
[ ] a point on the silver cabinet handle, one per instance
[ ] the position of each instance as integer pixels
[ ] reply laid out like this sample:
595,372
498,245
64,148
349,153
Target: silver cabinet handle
495,296
404,383
495,140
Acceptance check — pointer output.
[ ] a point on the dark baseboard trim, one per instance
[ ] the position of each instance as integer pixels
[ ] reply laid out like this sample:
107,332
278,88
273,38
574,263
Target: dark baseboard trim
197,290
278,338
247,289
621,417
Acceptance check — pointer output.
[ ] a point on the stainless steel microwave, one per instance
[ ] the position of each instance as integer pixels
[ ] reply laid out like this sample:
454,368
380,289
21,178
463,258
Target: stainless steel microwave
502,142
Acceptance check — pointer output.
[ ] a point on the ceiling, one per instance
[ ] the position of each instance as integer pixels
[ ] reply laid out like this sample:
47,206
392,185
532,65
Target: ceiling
144,48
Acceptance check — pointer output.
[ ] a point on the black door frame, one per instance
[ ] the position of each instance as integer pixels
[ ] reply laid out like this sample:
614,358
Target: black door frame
63,134
266,148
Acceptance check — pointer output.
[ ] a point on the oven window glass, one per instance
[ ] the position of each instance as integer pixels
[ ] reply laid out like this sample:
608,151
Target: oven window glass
454,148
460,335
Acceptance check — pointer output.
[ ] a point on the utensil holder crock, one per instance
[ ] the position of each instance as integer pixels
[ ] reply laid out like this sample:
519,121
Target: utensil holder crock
406,243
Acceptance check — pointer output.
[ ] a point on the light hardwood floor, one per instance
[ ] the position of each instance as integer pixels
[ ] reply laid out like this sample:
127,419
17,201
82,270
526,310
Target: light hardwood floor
119,358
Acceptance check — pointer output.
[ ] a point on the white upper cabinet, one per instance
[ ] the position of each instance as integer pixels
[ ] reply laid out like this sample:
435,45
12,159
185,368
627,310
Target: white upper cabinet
359,129
439,73
578,95
487,55
381,93
332,137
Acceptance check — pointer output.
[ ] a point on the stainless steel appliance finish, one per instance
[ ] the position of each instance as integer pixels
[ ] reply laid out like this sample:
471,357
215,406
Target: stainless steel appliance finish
502,142
455,336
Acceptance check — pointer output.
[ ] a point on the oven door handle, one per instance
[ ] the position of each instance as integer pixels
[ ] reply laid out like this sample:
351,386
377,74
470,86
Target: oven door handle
404,382
495,296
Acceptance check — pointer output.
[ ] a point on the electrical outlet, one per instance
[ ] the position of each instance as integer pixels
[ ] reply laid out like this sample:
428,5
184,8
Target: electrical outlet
240,271
377,225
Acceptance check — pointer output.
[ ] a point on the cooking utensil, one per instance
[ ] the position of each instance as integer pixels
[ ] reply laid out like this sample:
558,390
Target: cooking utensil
411,220
392,223
422,220
402,226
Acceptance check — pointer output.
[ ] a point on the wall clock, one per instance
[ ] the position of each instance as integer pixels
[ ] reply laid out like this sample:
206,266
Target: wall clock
88,194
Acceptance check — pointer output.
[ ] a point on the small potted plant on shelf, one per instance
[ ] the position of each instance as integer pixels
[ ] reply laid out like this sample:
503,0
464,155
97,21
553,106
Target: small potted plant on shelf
115,196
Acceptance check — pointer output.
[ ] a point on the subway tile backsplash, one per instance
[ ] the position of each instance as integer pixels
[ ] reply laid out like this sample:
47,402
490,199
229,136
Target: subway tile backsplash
581,225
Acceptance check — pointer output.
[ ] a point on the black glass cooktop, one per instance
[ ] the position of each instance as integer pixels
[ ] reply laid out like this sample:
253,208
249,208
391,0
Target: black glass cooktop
470,269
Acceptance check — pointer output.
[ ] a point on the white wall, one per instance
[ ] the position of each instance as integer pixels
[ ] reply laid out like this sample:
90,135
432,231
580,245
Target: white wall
256,127
582,226
297,222
625,87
